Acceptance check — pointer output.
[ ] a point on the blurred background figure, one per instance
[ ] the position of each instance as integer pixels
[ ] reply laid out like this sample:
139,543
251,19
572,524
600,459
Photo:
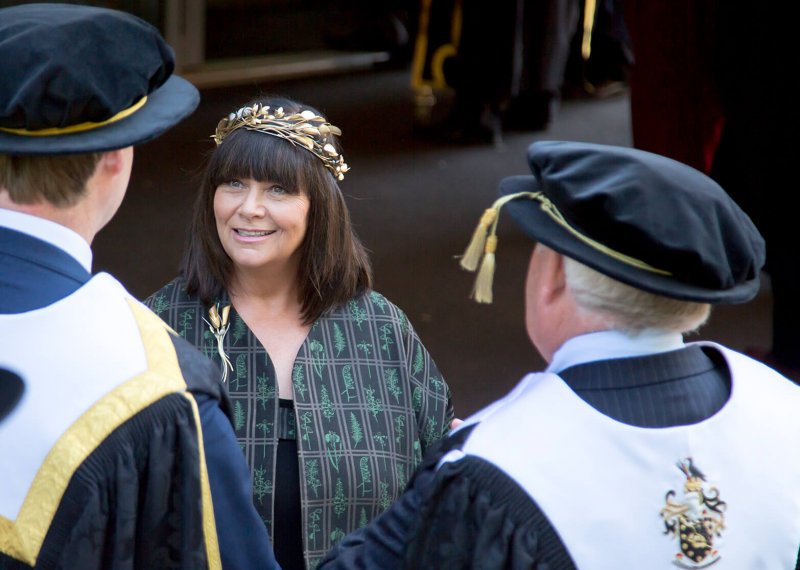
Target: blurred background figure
674,101
712,87
506,64
601,54
757,153
506,68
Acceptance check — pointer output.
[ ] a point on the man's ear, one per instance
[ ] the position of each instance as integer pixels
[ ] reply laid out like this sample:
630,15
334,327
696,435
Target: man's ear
554,280
111,162
547,307
113,170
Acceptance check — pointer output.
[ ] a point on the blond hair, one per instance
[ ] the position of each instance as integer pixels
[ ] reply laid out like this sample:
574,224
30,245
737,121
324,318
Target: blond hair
630,309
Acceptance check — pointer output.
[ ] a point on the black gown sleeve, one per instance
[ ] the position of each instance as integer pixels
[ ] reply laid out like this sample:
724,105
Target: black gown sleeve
382,543
243,539
476,516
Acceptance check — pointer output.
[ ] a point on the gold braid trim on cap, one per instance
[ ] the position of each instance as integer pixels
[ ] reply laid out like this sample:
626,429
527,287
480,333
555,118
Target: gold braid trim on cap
304,129
80,127
482,292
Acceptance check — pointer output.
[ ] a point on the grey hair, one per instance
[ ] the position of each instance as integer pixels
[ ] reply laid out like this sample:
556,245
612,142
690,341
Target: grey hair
630,309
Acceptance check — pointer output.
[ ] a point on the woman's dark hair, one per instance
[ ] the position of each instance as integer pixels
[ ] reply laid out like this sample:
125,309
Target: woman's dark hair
334,266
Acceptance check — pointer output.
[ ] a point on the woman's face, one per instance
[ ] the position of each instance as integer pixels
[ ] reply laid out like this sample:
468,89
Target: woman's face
260,223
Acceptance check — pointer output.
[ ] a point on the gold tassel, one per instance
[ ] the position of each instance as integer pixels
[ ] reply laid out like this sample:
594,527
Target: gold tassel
483,283
475,249
484,241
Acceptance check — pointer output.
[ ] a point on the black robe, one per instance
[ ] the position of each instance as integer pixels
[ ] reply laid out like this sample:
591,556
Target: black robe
139,500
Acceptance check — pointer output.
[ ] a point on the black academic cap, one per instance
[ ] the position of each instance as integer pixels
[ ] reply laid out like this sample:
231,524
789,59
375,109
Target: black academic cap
645,220
79,79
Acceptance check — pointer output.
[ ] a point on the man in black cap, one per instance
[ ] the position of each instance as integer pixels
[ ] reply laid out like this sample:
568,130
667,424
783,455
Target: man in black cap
633,449
118,452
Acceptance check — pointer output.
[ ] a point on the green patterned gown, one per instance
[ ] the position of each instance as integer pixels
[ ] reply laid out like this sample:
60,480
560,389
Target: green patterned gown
368,400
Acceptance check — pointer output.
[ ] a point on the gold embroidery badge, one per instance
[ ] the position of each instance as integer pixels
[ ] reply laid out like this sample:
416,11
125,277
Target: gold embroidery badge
695,519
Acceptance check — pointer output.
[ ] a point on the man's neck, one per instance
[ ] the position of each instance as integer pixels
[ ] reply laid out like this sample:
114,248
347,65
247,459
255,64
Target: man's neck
72,217
609,344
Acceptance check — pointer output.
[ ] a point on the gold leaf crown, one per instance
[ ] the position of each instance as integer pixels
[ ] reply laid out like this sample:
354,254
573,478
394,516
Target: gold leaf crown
304,129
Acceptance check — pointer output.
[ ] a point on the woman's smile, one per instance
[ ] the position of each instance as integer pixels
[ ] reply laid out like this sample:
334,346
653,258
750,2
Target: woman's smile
253,235
260,223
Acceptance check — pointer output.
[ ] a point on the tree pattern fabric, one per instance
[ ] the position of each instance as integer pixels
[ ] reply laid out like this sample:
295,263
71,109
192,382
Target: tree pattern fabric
368,402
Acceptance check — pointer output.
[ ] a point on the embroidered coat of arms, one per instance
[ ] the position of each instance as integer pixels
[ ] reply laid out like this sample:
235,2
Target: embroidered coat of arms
695,518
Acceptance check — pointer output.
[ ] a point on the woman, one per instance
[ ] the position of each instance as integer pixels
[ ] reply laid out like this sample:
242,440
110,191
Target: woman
335,399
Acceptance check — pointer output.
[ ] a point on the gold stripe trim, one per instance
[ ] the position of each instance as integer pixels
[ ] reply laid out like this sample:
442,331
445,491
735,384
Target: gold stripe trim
588,27
421,45
209,520
550,209
437,65
22,538
447,50
81,127
438,57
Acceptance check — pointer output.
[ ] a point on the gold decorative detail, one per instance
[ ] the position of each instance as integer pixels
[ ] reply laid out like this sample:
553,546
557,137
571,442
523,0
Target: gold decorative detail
696,519
485,245
550,209
22,538
81,127
484,239
475,249
304,129
427,69
588,26
219,326
209,518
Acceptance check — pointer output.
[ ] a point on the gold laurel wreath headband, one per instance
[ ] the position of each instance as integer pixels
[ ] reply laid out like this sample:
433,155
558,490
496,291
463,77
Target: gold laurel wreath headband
484,244
304,129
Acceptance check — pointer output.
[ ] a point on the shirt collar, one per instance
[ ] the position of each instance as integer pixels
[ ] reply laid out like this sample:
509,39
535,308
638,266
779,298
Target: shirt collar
55,234
606,345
